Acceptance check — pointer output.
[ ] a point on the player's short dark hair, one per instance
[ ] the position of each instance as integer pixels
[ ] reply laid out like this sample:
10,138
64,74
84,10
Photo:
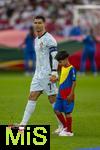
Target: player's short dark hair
40,17
61,55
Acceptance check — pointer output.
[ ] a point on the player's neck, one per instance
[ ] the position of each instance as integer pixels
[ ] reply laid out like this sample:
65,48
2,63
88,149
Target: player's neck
67,64
41,33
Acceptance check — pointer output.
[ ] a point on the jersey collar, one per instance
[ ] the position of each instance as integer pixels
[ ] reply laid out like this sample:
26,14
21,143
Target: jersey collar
68,66
42,35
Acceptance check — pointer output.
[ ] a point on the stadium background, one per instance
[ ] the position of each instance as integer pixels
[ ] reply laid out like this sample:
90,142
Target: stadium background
15,19
17,16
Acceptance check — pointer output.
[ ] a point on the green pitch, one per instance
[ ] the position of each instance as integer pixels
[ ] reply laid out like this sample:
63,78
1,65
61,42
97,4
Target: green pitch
14,90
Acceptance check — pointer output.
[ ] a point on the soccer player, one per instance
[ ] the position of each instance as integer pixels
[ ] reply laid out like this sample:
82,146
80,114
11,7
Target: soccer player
29,52
46,68
65,98
89,52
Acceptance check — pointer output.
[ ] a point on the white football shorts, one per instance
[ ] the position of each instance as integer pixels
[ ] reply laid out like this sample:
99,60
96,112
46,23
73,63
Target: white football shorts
43,84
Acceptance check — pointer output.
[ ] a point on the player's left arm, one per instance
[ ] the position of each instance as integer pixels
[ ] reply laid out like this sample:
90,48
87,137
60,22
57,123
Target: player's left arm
54,73
53,51
96,39
72,93
70,97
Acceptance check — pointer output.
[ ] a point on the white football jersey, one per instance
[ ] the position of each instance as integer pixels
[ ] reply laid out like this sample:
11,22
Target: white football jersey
43,45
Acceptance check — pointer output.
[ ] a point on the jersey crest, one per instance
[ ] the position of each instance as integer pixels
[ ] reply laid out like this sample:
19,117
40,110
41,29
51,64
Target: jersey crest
41,45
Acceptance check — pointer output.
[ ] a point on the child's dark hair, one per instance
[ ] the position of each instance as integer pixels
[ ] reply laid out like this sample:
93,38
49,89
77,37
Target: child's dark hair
40,17
61,55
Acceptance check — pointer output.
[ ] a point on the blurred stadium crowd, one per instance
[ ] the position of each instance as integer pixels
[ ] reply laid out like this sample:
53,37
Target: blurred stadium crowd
18,14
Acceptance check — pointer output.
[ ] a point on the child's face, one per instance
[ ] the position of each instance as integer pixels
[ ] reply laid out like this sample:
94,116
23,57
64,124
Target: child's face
63,62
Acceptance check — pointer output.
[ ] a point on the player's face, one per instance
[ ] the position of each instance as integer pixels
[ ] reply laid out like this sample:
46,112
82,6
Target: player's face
39,25
63,62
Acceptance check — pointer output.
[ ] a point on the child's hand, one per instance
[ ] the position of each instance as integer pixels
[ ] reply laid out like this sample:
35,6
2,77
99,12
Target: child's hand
70,97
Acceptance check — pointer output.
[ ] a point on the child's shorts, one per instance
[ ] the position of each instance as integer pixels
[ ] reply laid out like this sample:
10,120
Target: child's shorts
64,106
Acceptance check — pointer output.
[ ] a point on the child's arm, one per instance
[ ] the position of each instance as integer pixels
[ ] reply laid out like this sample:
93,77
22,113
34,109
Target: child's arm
70,97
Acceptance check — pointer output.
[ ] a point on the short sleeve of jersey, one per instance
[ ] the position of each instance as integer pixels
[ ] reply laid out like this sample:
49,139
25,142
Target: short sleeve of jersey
51,42
73,74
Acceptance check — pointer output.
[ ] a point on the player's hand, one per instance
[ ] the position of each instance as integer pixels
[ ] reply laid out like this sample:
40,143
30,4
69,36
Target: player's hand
53,78
70,97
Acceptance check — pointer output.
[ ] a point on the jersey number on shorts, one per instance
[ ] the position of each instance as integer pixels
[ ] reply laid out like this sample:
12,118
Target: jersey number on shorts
49,84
